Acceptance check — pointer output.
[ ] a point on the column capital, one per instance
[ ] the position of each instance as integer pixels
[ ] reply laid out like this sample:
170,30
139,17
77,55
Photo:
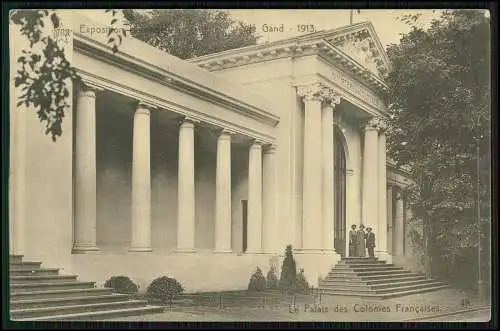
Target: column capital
376,123
187,121
256,143
224,133
319,92
270,148
88,89
144,105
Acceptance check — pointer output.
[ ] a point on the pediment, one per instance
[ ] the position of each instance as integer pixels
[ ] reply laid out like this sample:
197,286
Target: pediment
360,43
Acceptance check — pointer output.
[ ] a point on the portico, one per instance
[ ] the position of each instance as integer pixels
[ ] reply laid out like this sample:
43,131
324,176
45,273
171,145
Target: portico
178,168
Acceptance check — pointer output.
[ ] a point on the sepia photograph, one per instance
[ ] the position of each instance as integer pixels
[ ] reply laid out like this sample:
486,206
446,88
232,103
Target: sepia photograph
249,165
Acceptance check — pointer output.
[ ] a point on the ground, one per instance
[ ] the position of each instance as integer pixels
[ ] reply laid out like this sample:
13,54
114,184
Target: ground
444,302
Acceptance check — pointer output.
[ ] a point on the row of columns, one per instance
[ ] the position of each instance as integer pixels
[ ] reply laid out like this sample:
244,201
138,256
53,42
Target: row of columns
261,200
318,172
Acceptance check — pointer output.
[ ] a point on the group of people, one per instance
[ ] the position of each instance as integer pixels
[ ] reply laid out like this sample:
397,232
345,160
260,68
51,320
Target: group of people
360,240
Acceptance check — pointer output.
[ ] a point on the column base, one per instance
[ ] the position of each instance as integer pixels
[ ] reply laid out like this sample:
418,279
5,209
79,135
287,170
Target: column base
140,249
84,249
222,251
254,251
308,251
384,256
185,250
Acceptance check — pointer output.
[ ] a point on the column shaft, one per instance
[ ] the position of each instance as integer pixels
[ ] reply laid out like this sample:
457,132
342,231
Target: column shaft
382,194
141,182
18,180
399,225
186,189
370,181
328,202
85,235
255,199
390,240
312,171
270,238
223,194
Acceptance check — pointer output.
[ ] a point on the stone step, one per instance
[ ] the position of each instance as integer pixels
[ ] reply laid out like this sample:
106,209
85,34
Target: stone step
389,284
363,265
52,302
383,272
25,265
397,288
383,290
26,294
75,309
16,258
373,268
394,279
38,272
386,295
370,277
33,287
349,262
99,315
42,279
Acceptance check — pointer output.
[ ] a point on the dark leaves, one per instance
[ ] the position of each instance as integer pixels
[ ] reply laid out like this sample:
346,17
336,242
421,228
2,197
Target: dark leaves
190,33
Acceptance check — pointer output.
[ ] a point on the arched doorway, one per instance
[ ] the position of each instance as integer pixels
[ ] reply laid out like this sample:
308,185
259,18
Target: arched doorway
340,193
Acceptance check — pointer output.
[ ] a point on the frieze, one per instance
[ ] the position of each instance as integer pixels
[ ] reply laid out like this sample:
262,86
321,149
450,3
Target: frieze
357,89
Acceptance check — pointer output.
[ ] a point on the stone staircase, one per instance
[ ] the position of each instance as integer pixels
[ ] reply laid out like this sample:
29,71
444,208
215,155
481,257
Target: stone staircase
42,294
373,278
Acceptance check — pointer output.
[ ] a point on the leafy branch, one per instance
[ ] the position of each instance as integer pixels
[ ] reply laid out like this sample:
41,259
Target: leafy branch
44,69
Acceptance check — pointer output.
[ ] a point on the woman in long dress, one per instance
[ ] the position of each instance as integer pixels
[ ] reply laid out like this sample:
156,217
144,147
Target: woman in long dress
360,236
353,241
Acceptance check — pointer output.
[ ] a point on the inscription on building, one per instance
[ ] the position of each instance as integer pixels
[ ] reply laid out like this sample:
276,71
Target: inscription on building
357,89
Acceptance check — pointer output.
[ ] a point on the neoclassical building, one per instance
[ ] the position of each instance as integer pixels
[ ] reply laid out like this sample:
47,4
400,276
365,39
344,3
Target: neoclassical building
203,170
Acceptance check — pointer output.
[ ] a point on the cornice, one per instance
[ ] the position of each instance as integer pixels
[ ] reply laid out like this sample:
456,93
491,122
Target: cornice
95,49
161,103
297,47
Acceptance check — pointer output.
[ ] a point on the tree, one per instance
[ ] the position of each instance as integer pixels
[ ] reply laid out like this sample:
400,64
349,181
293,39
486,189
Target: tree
44,70
187,33
439,127
288,275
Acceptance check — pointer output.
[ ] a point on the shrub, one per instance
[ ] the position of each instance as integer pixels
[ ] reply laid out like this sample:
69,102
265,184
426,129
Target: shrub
122,284
165,289
257,281
272,280
288,271
301,284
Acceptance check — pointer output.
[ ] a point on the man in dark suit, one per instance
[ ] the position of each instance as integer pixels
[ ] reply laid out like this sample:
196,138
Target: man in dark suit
370,242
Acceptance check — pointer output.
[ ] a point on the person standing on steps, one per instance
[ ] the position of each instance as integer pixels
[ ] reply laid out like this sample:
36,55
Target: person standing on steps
360,238
352,241
370,242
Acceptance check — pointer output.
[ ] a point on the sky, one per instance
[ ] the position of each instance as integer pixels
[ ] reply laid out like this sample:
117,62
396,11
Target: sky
296,22
386,24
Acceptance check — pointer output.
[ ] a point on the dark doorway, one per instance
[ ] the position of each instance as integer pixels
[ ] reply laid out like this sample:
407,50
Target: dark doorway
340,193
244,210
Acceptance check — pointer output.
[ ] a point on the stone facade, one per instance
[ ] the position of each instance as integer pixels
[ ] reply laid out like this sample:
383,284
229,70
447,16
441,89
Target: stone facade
205,170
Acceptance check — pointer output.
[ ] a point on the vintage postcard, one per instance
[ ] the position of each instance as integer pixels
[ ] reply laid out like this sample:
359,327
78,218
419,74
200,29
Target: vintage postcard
250,165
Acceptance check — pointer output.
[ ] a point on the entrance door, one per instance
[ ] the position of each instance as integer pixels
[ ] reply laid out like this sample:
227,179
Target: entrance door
340,194
244,209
